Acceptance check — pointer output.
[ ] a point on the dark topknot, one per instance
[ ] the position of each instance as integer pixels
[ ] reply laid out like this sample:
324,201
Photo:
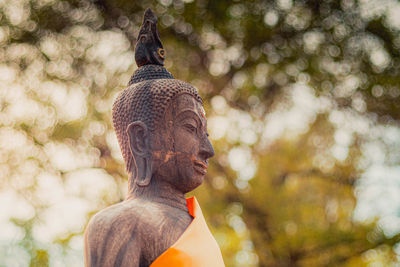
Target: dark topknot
150,90
150,72
149,49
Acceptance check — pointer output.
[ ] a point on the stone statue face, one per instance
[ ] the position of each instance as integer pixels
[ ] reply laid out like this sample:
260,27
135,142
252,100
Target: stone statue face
182,150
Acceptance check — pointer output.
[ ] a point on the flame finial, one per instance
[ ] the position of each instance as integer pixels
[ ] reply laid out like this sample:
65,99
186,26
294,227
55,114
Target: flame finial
149,49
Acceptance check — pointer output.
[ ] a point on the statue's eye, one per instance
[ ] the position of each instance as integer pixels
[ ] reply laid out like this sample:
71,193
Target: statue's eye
190,128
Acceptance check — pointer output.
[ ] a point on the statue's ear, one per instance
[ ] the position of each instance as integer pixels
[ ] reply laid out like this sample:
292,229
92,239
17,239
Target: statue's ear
138,138
139,145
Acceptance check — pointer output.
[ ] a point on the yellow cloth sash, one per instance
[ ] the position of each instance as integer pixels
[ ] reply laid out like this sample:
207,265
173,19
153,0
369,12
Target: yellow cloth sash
196,247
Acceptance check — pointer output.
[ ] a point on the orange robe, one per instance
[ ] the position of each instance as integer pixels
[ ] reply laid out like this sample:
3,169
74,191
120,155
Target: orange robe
196,247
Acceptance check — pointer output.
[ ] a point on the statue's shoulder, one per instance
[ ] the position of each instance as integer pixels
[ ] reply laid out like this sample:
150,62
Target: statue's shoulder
132,229
122,215
114,233
128,218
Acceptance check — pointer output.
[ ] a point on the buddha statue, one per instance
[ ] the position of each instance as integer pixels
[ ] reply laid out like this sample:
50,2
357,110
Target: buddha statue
161,128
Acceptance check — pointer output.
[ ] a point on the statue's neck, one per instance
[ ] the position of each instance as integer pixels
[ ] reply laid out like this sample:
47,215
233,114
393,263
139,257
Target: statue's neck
158,191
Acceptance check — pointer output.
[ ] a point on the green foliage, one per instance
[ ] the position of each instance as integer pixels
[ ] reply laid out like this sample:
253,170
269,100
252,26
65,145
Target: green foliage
40,258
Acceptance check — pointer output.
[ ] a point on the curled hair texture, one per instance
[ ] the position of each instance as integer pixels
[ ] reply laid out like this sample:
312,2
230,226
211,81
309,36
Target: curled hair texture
150,90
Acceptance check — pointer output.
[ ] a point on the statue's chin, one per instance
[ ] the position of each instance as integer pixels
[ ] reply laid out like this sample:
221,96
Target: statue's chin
194,181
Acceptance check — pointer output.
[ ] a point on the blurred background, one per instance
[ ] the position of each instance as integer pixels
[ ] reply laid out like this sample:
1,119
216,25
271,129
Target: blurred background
303,106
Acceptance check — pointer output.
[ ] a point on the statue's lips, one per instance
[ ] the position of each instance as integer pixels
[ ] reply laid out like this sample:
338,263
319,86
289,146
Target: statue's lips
200,166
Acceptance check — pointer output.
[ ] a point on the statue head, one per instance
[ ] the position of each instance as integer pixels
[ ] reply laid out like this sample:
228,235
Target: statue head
160,121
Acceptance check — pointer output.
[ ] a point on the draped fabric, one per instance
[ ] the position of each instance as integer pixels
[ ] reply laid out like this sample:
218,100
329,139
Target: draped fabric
196,247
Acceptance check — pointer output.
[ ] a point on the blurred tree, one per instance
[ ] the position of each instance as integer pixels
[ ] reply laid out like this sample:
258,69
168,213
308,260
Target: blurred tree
303,99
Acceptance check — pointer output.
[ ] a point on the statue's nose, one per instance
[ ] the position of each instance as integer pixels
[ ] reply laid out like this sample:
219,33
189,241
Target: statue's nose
206,149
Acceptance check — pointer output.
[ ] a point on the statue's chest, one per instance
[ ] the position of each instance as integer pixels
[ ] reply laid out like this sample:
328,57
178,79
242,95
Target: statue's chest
164,233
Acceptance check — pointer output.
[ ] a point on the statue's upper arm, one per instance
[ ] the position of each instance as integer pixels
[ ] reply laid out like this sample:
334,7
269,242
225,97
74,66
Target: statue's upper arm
111,243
